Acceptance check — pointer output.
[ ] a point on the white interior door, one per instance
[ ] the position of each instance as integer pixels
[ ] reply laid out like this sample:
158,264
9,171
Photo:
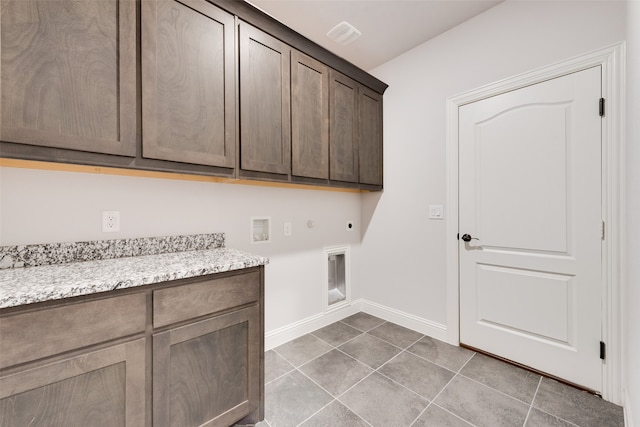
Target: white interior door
530,193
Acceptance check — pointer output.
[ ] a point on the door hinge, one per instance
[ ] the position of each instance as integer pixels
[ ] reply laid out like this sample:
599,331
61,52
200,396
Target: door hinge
603,350
458,236
602,228
601,107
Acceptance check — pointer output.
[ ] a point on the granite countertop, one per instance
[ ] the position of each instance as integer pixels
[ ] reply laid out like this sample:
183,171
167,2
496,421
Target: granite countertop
28,285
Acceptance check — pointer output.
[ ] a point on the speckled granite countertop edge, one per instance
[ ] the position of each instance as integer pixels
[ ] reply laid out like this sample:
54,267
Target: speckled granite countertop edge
34,255
20,286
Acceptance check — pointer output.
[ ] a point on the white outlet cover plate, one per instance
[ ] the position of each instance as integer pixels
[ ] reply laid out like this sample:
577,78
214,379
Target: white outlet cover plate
110,221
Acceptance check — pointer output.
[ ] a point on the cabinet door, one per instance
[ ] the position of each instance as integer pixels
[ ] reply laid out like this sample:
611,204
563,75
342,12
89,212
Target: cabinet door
309,117
69,74
343,146
370,125
265,107
101,388
208,372
188,84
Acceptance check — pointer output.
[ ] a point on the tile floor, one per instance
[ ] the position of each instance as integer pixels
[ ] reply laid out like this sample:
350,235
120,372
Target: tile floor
364,371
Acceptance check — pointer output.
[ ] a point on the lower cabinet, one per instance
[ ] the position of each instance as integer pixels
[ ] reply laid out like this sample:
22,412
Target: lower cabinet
207,372
182,353
101,387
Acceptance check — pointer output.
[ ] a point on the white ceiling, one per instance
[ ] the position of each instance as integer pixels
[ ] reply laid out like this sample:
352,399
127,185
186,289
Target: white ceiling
389,27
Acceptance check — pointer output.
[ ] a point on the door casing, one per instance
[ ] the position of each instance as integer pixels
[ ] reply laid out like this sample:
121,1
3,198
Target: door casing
611,58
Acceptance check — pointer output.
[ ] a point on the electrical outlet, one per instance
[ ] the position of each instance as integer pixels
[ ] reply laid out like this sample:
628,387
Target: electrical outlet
110,221
287,229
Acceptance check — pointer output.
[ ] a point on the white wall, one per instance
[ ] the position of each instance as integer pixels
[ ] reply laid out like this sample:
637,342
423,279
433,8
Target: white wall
632,358
509,39
39,206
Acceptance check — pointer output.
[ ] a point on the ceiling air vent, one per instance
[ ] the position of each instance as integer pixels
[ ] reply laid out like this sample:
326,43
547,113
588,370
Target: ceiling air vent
344,33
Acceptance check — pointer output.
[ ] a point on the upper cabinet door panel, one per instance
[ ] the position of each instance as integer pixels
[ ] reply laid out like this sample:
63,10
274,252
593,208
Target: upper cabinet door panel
69,74
309,117
265,107
188,98
370,124
343,107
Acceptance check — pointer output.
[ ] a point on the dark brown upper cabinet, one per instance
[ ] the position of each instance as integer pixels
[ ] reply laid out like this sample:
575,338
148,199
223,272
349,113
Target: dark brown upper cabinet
370,136
265,103
206,87
343,108
188,84
309,117
69,74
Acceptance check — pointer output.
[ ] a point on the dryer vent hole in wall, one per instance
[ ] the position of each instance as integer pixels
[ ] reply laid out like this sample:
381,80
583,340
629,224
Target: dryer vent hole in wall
336,283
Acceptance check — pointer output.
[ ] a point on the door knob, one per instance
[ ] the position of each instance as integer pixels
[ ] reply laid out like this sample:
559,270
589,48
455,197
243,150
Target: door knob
468,238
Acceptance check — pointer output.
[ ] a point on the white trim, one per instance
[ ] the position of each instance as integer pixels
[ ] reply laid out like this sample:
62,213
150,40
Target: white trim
626,406
611,59
415,323
295,330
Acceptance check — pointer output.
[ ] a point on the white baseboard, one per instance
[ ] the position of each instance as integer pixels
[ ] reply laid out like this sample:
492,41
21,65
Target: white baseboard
295,330
626,403
415,323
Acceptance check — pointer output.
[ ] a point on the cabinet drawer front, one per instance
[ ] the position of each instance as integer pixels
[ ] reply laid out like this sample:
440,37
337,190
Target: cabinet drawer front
34,335
185,302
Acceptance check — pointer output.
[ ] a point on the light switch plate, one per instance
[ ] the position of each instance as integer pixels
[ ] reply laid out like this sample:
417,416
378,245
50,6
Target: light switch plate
436,212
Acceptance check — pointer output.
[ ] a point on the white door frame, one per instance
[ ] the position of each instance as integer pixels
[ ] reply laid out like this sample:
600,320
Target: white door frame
611,59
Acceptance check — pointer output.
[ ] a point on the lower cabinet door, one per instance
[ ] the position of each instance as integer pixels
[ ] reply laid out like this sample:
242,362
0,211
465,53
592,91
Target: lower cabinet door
100,388
207,373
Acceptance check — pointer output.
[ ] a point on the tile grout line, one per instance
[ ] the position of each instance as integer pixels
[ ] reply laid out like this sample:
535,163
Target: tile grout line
358,329
455,415
496,390
336,346
436,363
433,401
349,389
532,400
429,403
395,345
377,370
421,412
334,398
285,359
542,377
297,368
